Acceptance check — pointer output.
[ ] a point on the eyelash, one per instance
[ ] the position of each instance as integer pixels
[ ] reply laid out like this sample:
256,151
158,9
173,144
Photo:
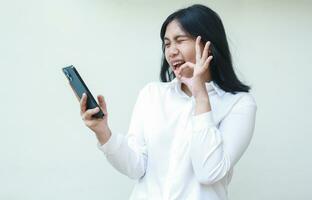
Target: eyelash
178,41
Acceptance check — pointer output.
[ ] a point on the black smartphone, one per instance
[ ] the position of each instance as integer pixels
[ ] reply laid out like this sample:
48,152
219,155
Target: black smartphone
79,87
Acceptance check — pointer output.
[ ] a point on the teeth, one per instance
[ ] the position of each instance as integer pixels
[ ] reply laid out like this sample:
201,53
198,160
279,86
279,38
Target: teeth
177,63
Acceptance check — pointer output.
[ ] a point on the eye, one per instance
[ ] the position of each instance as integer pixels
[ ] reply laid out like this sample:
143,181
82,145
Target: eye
181,40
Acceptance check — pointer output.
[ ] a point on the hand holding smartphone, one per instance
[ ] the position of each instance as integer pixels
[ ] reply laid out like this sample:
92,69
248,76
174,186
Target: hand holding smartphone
93,115
79,87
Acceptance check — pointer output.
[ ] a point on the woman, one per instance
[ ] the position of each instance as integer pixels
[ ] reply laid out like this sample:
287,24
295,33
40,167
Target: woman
188,131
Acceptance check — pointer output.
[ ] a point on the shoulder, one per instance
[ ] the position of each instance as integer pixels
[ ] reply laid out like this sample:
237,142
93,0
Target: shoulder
238,103
246,98
241,100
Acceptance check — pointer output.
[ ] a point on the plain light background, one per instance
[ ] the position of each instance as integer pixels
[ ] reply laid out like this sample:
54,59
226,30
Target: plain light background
46,152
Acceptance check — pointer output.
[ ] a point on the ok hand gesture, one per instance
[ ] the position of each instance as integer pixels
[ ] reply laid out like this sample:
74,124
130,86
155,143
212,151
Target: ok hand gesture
196,83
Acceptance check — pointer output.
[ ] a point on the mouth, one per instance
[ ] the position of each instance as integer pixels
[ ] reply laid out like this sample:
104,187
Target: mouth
177,64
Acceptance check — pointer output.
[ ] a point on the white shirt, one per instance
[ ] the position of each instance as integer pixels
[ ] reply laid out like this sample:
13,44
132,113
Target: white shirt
174,154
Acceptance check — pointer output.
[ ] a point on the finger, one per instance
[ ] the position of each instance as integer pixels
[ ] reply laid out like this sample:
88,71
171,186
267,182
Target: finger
207,62
88,114
102,103
205,52
83,103
186,65
186,68
197,49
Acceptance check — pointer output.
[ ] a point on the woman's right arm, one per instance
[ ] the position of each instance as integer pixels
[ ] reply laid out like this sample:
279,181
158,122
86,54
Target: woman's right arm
127,154
98,126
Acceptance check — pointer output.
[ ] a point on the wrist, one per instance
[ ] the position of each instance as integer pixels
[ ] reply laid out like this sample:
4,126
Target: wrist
202,106
103,135
201,95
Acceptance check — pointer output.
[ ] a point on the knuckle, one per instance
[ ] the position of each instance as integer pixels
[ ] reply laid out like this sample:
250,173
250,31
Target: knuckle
91,124
86,115
88,124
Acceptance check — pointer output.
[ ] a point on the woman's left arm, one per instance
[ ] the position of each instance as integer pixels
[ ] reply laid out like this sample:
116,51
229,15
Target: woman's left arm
214,151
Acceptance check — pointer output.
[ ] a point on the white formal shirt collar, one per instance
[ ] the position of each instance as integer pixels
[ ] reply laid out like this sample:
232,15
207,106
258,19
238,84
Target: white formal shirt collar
211,87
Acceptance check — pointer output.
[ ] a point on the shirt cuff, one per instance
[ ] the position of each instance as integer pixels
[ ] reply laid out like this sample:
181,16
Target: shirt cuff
112,144
202,121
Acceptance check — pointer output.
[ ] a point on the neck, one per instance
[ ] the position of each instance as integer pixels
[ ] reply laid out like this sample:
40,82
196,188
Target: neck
187,91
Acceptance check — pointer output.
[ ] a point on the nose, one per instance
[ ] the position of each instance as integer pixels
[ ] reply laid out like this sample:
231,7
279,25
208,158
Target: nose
172,51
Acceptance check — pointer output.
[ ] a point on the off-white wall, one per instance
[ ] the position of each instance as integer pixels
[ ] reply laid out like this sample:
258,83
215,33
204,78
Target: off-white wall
46,152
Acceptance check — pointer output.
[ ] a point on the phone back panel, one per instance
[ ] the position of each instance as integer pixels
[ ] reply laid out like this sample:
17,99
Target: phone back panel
80,87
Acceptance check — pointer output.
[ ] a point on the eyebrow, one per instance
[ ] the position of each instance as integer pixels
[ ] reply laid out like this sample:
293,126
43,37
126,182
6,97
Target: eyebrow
176,37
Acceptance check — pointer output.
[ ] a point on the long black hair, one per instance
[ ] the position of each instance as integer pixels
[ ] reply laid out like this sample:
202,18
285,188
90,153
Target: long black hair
199,20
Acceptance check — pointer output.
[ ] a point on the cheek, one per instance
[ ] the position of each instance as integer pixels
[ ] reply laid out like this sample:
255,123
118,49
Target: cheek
188,53
166,56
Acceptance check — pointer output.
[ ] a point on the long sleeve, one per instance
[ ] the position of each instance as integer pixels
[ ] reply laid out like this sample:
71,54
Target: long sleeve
214,151
128,154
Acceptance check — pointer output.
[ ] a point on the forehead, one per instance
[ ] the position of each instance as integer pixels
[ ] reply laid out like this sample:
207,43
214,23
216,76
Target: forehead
173,29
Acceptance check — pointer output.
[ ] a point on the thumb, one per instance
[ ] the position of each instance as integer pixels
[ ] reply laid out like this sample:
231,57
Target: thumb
186,65
102,103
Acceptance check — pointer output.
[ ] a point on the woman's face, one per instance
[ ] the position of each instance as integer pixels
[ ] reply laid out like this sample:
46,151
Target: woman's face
179,47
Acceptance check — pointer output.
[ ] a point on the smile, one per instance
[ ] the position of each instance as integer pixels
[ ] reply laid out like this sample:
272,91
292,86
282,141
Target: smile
177,64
